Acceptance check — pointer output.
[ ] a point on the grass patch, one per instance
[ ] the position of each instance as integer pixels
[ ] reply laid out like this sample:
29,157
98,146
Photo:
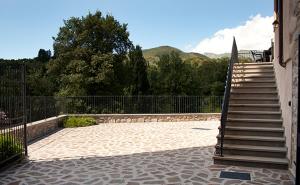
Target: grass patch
72,122
9,147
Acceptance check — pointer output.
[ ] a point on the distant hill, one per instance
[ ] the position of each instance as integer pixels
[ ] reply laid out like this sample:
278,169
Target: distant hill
152,55
213,55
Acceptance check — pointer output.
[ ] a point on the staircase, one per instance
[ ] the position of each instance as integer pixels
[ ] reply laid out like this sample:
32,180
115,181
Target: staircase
253,135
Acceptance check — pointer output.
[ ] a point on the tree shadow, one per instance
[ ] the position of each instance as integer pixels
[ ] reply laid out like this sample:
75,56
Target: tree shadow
179,166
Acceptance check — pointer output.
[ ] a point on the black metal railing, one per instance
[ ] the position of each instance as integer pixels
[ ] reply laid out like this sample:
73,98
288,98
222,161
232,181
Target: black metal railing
254,56
13,145
41,107
234,59
251,56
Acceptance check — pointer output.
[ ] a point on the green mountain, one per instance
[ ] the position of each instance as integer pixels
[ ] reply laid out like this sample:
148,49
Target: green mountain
213,55
246,53
152,55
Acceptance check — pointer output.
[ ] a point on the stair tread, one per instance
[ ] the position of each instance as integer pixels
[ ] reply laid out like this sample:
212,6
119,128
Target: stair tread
252,72
255,138
253,67
255,120
259,75
245,158
270,129
265,86
255,76
254,105
254,63
255,148
254,112
255,81
254,98
267,92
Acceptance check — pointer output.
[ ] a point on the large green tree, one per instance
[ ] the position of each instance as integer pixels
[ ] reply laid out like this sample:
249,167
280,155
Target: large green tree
89,54
169,77
173,76
43,55
137,73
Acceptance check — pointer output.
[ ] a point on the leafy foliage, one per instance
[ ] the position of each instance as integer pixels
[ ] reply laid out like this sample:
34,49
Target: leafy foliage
137,73
9,146
79,122
94,56
89,54
152,55
173,76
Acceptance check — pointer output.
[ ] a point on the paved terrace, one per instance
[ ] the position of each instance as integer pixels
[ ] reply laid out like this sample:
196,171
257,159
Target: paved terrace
132,154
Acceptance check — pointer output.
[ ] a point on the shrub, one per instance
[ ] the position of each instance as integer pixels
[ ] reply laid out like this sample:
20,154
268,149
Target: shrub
9,147
79,122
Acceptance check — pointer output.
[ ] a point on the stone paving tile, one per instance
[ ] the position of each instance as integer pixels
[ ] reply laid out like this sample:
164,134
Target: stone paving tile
132,154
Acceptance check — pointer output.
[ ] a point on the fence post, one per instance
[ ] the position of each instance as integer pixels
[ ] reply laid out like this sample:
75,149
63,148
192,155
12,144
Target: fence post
45,110
179,100
24,108
30,117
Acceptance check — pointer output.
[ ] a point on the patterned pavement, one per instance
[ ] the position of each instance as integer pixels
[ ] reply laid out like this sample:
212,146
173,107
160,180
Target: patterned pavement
132,154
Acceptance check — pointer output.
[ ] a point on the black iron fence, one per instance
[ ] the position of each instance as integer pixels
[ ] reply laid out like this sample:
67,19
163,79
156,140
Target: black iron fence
12,113
255,56
41,107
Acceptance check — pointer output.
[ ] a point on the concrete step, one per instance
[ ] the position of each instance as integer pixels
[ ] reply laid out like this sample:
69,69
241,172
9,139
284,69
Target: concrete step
253,140
254,64
254,114
253,83
254,75
266,94
253,67
241,72
254,131
256,70
245,78
251,161
258,151
270,123
255,100
255,89
254,107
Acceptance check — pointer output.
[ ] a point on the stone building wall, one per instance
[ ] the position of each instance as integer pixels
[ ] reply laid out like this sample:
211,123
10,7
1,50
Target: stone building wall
287,78
294,31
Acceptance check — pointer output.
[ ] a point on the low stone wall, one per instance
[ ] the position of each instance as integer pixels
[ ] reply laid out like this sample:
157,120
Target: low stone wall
44,127
38,129
133,118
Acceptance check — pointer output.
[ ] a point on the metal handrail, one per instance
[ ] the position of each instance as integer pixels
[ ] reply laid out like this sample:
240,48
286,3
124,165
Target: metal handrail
234,59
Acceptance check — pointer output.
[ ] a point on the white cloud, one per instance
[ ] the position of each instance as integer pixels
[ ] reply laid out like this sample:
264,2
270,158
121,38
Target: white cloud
254,34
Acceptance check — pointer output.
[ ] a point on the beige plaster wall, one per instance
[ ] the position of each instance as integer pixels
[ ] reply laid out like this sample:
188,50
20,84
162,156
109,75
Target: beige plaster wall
287,77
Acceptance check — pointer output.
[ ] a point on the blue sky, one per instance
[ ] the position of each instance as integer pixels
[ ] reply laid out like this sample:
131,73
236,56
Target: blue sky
27,26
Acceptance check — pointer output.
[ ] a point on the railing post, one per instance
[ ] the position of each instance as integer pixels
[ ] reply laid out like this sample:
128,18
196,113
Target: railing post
234,59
